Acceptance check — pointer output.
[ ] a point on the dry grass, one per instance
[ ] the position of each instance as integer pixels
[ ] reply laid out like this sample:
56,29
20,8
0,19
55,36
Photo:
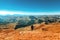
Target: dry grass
41,32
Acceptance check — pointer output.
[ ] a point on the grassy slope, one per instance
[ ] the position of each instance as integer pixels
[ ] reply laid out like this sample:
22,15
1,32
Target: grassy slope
50,32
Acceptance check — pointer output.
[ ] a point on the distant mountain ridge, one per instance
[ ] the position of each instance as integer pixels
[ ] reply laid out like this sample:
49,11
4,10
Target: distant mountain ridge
26,20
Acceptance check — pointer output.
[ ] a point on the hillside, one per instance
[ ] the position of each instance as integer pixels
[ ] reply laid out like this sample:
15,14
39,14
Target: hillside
19,21
51,27
19,27
41,32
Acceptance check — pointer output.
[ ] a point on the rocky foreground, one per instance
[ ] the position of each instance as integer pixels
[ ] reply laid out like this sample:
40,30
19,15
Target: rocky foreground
52,33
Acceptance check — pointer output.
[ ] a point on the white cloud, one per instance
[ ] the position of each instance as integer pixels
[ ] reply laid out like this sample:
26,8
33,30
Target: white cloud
28,13
9,12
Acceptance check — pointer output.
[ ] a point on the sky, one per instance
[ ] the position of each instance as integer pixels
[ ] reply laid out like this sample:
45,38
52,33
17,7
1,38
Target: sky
30,7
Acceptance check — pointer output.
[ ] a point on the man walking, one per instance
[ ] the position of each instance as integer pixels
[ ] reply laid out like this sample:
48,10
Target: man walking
32,27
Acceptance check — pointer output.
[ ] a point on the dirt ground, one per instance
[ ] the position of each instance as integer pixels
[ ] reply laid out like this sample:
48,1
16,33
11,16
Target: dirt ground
46,32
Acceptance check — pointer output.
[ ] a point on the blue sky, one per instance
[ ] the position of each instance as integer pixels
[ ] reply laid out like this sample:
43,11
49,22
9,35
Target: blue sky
28,7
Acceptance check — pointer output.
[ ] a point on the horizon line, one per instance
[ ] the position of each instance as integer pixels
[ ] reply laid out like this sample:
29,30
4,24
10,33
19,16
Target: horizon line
28,13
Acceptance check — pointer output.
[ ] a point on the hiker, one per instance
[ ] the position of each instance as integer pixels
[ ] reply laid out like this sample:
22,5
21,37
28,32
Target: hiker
32,27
